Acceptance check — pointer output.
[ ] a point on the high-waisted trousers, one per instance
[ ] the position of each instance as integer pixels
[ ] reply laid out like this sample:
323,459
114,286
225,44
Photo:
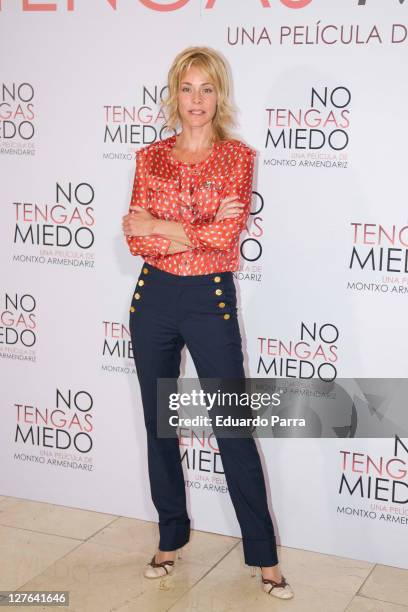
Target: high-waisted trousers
168,312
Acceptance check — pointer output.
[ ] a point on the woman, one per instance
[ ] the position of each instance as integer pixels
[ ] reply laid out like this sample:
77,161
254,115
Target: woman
190,201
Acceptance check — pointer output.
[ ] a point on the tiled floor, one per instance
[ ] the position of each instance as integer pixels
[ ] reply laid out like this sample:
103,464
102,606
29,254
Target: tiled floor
99,559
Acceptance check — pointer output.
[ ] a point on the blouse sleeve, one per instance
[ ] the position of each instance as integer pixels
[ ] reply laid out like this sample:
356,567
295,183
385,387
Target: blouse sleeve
144,245
222,235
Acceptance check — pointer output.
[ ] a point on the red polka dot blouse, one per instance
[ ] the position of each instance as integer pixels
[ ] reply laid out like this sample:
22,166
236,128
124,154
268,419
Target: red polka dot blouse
191,193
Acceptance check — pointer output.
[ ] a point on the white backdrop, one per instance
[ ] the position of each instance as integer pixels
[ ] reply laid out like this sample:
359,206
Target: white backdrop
80,92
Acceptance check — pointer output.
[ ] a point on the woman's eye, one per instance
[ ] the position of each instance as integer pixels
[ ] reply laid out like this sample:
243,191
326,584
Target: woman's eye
206,89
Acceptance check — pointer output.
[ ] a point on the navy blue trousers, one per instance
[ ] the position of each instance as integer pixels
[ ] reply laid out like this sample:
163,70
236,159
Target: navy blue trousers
169,312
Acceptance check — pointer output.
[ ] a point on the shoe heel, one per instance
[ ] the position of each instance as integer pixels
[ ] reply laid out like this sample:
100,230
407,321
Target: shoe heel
180,553
253,570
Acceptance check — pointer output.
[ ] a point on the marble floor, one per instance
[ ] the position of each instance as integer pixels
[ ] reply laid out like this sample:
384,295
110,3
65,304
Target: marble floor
99,559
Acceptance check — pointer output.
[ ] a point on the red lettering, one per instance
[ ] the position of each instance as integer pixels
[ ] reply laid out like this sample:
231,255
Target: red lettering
265,4
296,4
155,6
293,4
38,6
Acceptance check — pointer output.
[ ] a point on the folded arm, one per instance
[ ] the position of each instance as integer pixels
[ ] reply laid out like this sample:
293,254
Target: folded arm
219,235
157,245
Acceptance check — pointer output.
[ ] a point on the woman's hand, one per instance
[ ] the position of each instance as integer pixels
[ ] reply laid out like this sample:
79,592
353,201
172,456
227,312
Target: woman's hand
138,222
229,207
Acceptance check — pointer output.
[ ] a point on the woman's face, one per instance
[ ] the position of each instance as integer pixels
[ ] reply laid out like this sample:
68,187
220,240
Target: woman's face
197,98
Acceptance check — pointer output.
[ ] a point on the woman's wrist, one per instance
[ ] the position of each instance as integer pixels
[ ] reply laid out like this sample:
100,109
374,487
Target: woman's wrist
170,229
154,228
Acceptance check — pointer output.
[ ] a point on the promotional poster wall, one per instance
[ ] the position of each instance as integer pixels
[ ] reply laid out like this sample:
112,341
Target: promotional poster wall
323,280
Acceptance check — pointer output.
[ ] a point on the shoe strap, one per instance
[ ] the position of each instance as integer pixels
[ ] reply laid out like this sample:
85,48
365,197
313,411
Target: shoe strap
161,564
275,584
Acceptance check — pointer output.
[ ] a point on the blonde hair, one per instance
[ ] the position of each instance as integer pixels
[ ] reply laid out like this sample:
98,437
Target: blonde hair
212,64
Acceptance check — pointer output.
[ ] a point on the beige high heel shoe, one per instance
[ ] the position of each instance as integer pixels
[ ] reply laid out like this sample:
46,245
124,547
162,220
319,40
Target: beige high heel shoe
158,570
281,589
